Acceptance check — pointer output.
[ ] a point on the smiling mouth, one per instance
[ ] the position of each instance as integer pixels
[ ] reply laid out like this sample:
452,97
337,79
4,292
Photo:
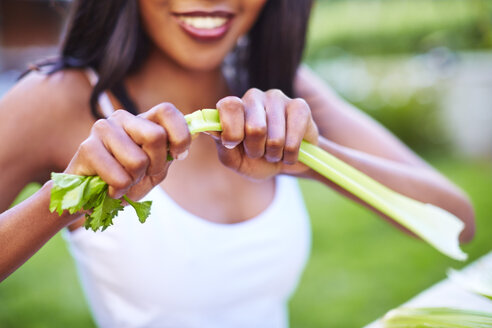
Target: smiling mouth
204,22
205,26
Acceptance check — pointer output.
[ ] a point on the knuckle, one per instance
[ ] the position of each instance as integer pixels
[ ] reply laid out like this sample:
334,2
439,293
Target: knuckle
275,93
138,164
253,92
291,150
290,157
300,106
273,157
86,147
122,183
156,136
255,130
229,103
300,102
289,160
119,115
100,125
165,109
275,143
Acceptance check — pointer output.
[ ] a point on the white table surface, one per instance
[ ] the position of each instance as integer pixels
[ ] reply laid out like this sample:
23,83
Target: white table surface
448,293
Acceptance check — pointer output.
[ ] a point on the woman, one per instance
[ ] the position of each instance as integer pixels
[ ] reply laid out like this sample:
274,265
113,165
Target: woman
228,236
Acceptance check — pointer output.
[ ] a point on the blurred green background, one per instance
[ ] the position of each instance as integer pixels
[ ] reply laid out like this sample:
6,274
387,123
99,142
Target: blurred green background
421,67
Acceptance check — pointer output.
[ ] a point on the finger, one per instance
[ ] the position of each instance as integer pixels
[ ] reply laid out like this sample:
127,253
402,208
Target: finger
149,135
231,113
178,134
98,161
255,126
231,158
275,115
298,117
312,132
122,147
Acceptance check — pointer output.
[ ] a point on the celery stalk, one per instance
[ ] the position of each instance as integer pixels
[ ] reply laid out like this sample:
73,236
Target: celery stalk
477,279
203,120
436,318
438,227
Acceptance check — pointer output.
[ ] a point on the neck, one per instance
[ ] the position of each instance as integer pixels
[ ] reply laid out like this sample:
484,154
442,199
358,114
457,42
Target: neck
162,80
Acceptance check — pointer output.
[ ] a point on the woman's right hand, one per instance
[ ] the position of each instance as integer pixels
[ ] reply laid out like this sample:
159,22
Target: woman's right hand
130,152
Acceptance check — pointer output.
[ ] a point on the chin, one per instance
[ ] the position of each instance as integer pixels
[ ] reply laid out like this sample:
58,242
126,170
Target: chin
195,56
203,67
201,62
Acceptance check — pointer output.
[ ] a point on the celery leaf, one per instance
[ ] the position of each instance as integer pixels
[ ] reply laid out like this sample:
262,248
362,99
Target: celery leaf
74,193
104,213
142,208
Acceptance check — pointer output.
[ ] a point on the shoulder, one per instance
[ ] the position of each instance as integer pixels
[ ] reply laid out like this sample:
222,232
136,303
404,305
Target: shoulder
52,109
60,93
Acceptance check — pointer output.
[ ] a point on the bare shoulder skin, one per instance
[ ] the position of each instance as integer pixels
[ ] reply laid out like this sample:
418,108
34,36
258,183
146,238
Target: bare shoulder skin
42,121
354,137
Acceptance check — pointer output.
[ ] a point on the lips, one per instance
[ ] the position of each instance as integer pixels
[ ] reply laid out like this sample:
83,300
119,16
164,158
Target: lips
205,26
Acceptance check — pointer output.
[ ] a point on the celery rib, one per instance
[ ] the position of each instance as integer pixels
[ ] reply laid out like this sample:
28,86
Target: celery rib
438,227
436,317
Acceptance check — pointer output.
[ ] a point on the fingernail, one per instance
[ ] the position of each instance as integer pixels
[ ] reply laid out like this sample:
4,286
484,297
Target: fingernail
229,145
182,156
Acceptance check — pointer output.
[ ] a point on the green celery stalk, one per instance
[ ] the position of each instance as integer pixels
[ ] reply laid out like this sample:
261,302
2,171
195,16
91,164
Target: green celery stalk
436,318
438,227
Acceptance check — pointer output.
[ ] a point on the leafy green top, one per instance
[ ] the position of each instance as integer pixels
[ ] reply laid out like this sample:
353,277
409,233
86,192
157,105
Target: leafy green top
75,193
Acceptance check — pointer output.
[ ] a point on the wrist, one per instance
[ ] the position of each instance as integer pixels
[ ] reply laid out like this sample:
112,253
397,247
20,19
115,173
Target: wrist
43,198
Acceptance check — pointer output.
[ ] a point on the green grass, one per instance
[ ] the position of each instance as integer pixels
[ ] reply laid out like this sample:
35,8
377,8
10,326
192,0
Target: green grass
360,267
44,292
399,26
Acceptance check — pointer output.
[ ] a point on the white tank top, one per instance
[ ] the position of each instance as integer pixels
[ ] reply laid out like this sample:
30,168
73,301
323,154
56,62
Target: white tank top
179,270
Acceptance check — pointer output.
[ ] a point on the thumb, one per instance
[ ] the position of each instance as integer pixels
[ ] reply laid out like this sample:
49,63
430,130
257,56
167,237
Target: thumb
231,158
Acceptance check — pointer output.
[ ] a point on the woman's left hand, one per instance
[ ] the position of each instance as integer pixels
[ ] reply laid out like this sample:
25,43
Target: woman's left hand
262,133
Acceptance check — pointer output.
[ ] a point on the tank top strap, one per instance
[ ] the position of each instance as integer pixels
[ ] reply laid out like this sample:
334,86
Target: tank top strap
105,105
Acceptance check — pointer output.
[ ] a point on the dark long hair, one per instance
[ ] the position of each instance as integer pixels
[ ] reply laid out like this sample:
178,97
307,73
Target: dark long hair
108,37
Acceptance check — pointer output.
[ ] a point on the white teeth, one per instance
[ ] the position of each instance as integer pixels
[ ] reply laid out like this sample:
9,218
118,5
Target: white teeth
203,22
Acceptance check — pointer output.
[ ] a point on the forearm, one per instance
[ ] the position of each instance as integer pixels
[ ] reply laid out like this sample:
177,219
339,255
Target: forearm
419,182
25,228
